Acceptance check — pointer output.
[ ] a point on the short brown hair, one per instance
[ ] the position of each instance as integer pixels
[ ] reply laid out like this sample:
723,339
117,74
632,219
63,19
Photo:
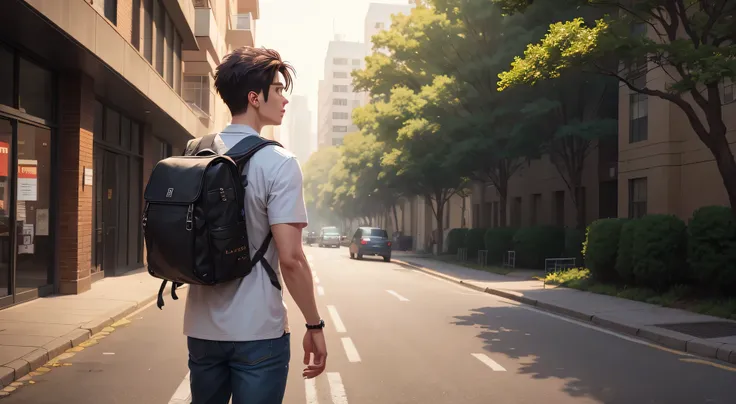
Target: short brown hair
249,69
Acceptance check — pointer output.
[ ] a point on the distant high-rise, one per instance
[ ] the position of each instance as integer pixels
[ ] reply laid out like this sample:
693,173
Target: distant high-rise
336,99
299,127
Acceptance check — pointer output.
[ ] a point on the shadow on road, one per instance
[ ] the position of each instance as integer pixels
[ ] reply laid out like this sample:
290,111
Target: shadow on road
593,364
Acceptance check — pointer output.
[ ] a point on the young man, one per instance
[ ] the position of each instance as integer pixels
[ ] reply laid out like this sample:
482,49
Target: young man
238,335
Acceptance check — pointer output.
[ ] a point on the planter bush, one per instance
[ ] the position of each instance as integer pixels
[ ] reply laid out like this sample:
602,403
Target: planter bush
624,257
455,240
498,241
659,252
534,244
602,247
712,249
474,241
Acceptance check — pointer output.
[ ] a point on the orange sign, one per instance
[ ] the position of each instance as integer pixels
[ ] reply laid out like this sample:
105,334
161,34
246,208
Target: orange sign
27,171
4,158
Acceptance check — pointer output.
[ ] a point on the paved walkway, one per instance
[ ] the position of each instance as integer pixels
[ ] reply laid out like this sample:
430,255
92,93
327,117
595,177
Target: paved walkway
698,334
35,332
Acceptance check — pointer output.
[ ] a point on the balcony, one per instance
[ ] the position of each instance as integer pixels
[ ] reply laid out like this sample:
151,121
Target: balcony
241,31
212,45
249,6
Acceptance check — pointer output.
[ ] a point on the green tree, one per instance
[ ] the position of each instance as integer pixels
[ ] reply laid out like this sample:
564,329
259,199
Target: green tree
693,42
318,192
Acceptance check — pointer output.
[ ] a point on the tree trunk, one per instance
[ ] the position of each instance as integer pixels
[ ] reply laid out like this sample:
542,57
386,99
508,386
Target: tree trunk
503,192
462,216
396,218
438,216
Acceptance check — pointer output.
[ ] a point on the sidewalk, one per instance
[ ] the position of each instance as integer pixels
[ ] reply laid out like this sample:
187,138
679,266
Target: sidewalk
685,331
35,332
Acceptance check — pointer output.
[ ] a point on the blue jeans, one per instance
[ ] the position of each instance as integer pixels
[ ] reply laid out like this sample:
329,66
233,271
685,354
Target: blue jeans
253,372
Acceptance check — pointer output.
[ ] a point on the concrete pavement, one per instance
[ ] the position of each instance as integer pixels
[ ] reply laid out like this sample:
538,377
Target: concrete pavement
685,331
396,335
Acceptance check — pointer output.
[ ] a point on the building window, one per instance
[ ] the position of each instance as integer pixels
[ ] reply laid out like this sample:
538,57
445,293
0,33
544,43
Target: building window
356,62
639,117
536,208
108,8
340,88
169,77
727,95
148,30
516,212
177,63
637,197
7,77
337,141
339,75
197,92
340,128
339,101
160,22
339,61
340,115
559,208
36,90
379,25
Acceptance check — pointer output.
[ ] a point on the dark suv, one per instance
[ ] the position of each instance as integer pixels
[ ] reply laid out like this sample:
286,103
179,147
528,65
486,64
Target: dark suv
370,241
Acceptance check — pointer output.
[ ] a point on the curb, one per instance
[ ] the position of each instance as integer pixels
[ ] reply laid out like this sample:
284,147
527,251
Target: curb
12,371
669,339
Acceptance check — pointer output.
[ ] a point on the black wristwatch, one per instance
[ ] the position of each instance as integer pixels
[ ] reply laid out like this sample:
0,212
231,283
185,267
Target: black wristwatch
319,326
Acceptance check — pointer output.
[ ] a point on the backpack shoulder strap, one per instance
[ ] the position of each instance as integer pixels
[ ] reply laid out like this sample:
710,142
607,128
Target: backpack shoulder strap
246,148
195,145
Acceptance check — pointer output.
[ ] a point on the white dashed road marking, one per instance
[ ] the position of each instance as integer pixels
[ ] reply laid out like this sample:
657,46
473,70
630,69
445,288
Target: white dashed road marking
320,290
182,395
489,362
398,296
339,326
350,350
310,386
337,389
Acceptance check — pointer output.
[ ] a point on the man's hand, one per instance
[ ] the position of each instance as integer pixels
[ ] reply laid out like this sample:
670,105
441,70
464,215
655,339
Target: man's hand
314,348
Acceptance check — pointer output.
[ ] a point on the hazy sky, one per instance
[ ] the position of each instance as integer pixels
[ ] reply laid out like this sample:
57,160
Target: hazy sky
301,29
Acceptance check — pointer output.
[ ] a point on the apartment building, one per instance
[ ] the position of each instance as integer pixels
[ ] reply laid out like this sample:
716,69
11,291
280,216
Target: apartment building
91,97
220,26
299,126
336,99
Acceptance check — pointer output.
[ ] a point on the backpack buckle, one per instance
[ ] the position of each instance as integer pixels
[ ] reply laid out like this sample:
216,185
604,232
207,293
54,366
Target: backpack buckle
190,212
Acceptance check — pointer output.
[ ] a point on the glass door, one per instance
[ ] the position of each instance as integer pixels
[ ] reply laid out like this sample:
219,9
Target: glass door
6,142
32,209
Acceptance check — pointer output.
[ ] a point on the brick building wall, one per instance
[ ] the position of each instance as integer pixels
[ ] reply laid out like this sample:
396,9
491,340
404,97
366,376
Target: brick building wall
75,200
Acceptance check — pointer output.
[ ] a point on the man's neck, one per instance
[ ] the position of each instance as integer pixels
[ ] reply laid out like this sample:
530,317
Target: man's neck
248,119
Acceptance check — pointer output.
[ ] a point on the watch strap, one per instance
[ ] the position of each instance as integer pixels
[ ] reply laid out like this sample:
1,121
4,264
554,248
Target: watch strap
318,326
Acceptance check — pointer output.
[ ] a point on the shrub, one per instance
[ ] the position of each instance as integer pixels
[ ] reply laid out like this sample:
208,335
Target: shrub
602,248
574,239
659,251
534,244
624,257
712,248
455,240
474,241
498,241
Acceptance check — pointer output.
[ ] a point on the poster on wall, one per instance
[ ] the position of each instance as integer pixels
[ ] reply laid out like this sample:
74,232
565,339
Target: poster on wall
27,180
42,222
27,246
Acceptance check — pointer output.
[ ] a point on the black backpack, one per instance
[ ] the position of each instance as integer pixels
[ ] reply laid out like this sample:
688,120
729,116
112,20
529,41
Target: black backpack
194,217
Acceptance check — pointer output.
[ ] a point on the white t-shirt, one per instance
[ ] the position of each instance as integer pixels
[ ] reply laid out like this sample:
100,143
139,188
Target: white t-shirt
251,308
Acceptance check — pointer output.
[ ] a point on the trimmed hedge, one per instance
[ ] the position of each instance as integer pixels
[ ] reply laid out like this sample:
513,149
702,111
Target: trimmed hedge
625,256
659,251
712,248
455,240
602,247
534,244
498,241
474,241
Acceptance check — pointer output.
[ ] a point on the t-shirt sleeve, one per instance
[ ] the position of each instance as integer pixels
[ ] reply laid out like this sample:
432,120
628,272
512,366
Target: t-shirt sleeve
286,197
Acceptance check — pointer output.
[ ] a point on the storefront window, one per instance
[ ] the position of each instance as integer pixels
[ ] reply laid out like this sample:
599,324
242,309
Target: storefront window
32,208
6,140
6,77
36,90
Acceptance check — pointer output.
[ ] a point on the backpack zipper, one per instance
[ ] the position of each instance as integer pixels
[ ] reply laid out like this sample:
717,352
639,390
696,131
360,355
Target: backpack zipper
189,217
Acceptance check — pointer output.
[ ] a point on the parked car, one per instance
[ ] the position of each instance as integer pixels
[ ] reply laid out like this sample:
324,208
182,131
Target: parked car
329,236
370,241
311,238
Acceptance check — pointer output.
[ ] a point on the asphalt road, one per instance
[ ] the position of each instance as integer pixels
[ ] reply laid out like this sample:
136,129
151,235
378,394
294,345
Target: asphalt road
396,335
